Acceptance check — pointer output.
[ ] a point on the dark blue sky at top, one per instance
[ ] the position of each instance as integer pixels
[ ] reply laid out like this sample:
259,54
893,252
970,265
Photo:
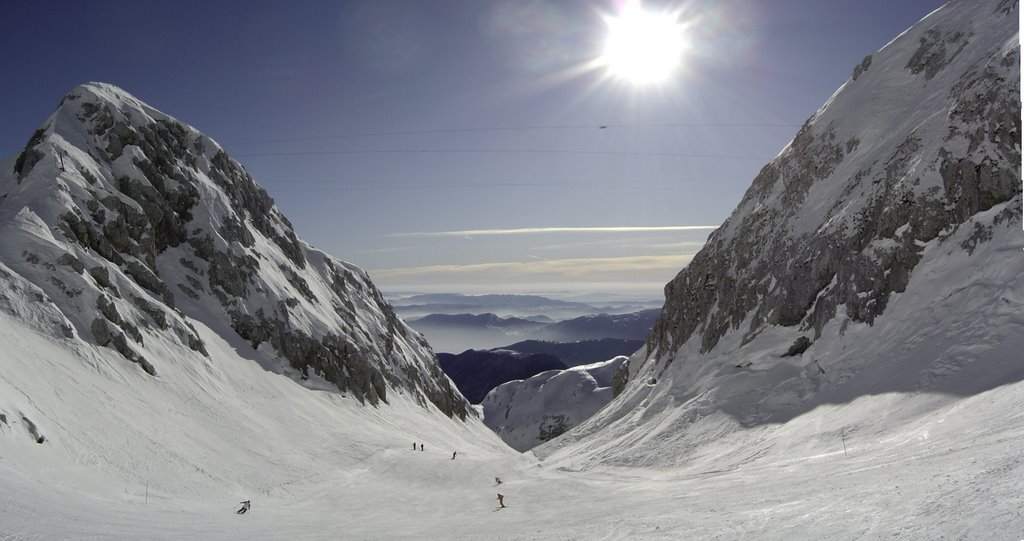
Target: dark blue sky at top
360,78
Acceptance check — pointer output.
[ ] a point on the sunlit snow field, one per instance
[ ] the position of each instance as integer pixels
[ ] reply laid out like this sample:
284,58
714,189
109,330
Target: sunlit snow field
174,456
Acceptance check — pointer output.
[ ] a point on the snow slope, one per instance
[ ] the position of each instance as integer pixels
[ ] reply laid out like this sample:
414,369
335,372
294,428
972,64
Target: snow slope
886,238
914,429
130,227
921,466
531,411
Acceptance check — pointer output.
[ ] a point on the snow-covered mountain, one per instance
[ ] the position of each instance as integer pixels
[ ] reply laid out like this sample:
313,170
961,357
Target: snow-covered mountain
579,352
504,305
910,428
475,372
123,227
460,332
879,254
531,411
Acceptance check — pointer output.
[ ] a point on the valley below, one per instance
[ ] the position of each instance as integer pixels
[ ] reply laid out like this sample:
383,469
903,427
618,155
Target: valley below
934,464
839,360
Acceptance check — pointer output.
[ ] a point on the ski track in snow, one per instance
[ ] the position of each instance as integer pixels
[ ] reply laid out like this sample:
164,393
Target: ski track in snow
916,431
339,472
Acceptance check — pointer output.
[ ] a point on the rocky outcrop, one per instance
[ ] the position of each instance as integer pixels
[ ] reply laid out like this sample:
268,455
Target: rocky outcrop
171,228
835,225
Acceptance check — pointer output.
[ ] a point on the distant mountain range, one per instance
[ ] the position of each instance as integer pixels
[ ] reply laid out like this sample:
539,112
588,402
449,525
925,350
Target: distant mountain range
635,326
460,332
582,352
529,412
476,372
524,306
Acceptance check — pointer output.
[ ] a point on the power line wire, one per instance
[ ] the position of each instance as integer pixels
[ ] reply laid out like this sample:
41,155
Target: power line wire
430,186
486,183
502,151
523,128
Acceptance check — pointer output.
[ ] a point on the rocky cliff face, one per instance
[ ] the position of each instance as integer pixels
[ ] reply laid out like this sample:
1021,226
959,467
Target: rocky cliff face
128,224
924,136
873,266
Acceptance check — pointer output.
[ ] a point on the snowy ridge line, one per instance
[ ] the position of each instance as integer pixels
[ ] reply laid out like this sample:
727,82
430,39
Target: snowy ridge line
118,208
857,265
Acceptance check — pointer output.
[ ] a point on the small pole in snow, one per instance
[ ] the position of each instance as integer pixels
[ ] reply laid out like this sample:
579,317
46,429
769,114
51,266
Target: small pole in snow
844,444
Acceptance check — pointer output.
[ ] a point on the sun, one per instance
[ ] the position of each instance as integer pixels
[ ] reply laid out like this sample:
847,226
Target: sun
643,47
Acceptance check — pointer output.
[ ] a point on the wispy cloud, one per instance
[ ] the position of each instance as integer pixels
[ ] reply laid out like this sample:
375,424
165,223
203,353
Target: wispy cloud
542,230
655,267
625,243
388,250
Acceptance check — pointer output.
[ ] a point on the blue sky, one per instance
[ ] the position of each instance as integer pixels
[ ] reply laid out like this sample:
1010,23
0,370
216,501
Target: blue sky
456,145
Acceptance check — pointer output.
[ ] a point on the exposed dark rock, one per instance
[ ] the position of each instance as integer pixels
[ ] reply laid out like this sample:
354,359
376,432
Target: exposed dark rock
298,283
1007,7
30,156
247,195
33,430
109,311
134,217
69,260
620,379
195,343
195,284
552,426
936,51
235,230
88,236
341,361
71,292
799,346
89,177
100,331
190,265
191,293
761,271
862,67
102,278
149,281
156,314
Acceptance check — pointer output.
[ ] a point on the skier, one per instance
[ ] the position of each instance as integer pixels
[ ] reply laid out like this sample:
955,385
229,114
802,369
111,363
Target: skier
501,501
453,454
413,446
245,507
497,481
421,447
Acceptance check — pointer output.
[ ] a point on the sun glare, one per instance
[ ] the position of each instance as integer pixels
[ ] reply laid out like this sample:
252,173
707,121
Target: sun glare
643,47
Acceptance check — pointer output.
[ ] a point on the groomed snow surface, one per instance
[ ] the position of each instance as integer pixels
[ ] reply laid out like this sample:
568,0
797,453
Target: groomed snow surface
913,427
320,466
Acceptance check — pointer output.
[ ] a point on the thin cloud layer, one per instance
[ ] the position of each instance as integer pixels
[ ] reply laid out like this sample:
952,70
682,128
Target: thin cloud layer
541,230
576,271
